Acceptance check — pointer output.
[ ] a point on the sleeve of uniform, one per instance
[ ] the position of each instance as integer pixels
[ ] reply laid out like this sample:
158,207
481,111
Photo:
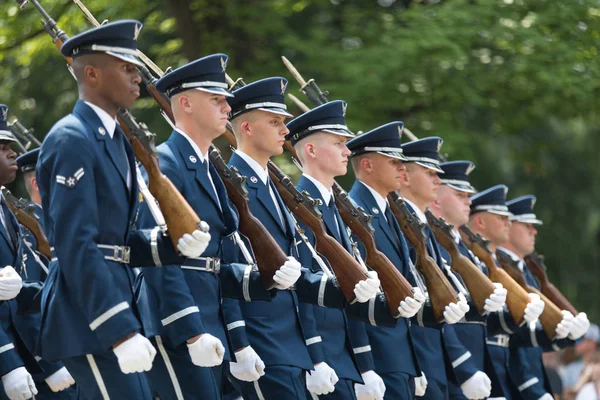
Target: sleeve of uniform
501,322
75,240
528,385
460,357
374,312
235,324
314,342
361,346
9,357
314,286
178,313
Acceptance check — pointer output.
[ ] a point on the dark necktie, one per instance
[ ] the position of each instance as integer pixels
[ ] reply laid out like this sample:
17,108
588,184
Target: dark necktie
123,161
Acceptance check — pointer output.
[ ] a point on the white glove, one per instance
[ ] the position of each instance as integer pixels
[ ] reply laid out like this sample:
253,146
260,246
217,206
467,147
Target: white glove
564,327
497,299
420,385
373,389
534,309
287,274
60,380
10,283
479,386
547,396
411,305
580,326
454,312
367,289
135,354
193,245
322,380
249,367
19,385
207,351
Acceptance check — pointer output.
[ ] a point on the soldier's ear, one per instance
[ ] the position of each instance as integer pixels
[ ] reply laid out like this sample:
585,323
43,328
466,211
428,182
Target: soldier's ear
91,74
366,164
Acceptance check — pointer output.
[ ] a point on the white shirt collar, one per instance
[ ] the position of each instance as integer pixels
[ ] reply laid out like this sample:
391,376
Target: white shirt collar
456,235
262,173
109,122
202,157
326,194
382,203
418,212
513,256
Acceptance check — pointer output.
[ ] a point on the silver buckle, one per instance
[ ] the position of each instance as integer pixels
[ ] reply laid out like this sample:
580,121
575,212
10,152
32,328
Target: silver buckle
503,341
213,264
122,254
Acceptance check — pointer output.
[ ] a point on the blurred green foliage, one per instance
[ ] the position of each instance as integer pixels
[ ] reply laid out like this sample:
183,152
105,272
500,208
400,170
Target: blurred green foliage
510,84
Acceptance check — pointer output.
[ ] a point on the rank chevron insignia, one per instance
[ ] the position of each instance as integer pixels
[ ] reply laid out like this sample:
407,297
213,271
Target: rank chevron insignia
70,181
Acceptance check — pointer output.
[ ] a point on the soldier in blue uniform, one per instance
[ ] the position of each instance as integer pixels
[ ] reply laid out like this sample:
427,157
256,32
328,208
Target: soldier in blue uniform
527,368
186,313
473,370
283,330
491,218
319,138
377,162
55,382
87,179
419,185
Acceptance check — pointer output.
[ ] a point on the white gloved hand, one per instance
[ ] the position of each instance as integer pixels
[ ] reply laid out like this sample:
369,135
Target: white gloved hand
534,309
420,385
497,299
565,325
135,354
60,380
193,245
454,312
19,385
322,380
207,351
580,326
249,366
10,283
373,389
287,274
546,396
479,386
411,305
367,289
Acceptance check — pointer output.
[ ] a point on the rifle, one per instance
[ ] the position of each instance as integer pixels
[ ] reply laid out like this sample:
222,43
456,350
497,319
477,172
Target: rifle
24,211
395,286
24,134
179,216
440,291
269,255
517,298
551,316
479,285
536,265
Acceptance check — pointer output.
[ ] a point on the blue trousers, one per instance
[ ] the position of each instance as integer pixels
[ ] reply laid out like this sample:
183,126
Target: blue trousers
99,377
435,391
280,382
499,356
174,377
344,390
398,386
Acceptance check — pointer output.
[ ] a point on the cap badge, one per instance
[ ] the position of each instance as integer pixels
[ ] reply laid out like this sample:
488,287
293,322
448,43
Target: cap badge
344,106
136,32
283,87
193,159
223,64
4,113
439,145
470,169
400,130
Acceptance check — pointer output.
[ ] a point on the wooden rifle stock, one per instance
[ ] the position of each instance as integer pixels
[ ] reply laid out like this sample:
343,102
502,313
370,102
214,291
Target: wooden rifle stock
347,270
395,286
536,265
551,316
441,292
479,285
269,256
517,298
23,210
179,215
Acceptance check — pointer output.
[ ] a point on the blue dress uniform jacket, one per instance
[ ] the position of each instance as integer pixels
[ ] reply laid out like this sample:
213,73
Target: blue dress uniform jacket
398,338
184,301
466,340
340,339
273,329
88,299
